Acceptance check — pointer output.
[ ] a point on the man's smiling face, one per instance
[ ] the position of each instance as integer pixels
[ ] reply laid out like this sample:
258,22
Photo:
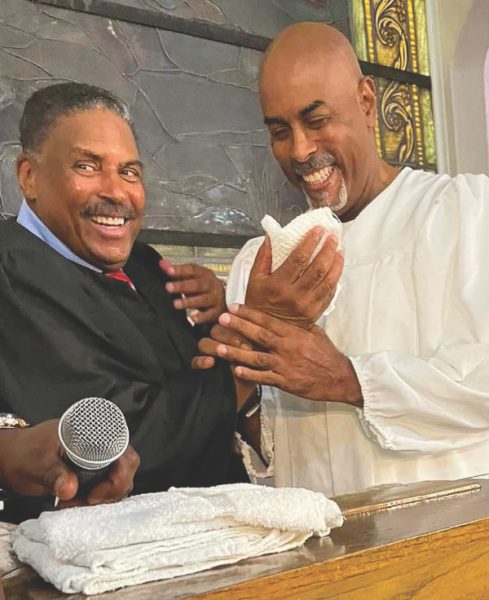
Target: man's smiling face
320,113
85,184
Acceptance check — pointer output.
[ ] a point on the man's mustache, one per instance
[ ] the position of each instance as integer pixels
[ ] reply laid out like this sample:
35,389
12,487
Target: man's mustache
108,208
316,162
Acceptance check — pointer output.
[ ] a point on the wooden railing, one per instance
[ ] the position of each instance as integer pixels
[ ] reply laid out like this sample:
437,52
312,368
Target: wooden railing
425,541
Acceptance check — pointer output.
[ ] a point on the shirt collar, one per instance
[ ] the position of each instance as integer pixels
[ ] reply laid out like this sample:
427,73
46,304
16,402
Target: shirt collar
28,219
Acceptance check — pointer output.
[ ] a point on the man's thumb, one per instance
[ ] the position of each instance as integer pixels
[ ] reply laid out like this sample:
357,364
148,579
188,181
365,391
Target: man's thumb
60,481
263,260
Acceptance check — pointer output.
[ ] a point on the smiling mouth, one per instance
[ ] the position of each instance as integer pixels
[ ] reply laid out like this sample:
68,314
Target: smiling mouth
109,221
318,177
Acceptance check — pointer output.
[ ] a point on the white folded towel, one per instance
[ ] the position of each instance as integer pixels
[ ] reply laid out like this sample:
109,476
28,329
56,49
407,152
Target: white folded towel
285,239
157,536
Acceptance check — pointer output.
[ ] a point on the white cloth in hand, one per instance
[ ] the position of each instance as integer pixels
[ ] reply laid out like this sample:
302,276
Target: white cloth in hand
158,536
284,239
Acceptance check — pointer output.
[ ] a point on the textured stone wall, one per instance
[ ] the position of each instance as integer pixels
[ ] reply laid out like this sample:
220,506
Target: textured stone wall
209,173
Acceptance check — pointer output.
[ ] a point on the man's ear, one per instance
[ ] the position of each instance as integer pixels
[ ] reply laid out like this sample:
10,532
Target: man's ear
366,94
26,174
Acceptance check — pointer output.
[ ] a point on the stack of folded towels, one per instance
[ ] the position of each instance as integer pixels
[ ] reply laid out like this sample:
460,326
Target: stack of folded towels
158,536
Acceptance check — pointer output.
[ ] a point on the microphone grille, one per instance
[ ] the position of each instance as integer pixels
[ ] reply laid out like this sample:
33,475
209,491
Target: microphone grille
93,432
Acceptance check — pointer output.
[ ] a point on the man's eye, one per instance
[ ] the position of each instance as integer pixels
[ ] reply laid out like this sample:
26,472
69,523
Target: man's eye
317,123
279,134
86,167
131,174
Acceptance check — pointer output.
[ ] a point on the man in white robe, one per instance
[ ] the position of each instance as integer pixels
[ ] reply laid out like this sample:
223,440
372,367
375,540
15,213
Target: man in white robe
395,385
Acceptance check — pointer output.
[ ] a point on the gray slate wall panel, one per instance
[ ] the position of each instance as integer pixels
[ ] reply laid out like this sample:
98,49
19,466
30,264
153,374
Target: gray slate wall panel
257,17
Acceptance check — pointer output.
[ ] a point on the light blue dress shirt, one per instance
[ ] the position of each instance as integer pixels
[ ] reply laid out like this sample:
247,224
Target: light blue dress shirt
28,219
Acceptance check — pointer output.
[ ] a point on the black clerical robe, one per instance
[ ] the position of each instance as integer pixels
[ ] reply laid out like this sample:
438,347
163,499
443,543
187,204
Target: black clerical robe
69,332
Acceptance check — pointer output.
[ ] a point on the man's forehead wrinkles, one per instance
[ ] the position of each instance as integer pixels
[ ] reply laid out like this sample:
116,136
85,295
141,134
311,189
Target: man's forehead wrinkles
86,152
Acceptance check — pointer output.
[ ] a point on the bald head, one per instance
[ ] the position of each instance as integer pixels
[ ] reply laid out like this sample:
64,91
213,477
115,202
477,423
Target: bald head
311,43
321,113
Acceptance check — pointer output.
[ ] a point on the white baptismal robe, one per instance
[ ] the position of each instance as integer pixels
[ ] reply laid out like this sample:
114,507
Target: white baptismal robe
413,316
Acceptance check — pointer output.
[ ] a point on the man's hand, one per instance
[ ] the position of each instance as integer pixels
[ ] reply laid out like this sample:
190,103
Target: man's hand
297,292
31,464
208,346
198,288
116,485
303,363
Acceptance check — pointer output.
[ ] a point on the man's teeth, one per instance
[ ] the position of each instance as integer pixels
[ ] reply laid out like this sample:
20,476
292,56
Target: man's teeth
117,221
318,176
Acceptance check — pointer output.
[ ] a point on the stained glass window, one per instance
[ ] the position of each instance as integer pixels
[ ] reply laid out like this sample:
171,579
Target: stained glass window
392,33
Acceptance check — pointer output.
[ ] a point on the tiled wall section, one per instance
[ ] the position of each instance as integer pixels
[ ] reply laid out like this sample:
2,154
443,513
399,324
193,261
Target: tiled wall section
208,166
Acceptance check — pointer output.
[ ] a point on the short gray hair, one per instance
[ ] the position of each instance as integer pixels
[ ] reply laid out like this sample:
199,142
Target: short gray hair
46,105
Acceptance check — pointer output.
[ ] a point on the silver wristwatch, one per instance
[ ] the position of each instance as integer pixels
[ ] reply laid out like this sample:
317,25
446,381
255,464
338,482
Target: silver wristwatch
11,421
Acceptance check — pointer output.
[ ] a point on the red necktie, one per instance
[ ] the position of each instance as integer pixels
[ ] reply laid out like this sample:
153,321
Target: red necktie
120,276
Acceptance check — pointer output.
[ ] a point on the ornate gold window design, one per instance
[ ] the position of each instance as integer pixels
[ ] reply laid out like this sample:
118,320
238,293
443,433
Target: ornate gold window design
389,37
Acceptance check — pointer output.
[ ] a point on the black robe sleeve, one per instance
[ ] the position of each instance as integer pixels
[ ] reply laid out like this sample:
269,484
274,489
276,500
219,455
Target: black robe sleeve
69,333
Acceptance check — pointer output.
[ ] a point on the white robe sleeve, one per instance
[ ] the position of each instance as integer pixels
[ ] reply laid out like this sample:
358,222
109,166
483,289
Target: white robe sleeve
240,271
235,292
438,399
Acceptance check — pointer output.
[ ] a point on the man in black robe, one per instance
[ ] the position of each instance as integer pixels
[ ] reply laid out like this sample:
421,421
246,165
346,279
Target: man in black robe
70,332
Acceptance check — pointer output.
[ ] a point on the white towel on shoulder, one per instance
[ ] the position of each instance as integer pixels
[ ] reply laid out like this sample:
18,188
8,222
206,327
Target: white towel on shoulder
284,239
158,536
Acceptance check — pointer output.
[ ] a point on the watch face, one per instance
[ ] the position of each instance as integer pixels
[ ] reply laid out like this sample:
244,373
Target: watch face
11,421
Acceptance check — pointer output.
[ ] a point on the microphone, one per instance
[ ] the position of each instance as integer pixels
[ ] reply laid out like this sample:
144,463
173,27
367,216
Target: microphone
93,433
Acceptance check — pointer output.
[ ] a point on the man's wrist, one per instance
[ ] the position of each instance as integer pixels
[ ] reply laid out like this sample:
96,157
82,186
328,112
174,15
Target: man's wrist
249,427
245,391
7,437
298,321
347,389
352,387
252,404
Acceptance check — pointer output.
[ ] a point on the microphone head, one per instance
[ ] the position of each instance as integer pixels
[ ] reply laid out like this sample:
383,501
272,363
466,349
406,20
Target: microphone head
93,433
